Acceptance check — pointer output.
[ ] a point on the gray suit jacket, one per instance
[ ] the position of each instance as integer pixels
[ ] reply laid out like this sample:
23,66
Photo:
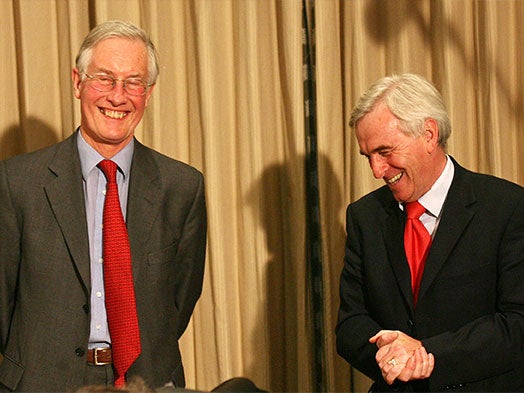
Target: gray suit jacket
45,273
470,311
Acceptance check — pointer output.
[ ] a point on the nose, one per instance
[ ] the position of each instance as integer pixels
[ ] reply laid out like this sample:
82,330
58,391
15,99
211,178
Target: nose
378,165
117,95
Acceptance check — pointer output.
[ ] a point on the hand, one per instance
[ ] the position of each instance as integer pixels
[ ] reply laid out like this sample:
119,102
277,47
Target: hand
419,366
401,356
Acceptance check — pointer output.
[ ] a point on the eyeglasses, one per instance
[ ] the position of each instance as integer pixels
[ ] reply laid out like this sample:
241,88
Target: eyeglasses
105,82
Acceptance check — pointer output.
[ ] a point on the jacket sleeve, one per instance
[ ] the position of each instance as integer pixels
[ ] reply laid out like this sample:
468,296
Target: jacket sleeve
355,326
9,256
192,251
494,343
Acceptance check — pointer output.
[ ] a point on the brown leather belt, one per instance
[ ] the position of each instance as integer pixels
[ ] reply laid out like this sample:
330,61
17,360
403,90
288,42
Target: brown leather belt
99,356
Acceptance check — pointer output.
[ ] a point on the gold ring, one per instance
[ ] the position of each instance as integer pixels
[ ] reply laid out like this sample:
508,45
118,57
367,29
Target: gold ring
393,362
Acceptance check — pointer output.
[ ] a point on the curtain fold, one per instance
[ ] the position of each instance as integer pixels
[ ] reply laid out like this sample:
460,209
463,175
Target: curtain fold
230,101
314,257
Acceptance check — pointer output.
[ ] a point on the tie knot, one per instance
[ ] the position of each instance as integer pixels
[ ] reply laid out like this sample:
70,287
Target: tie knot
109,169
414,210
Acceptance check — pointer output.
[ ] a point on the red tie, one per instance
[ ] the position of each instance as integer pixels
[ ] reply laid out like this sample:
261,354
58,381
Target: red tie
118,280
416,243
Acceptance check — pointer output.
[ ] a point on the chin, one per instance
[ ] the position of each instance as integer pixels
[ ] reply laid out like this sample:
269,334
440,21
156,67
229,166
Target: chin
400,197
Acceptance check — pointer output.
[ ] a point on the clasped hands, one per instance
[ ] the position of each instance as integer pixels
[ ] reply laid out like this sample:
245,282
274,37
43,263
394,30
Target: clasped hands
401,357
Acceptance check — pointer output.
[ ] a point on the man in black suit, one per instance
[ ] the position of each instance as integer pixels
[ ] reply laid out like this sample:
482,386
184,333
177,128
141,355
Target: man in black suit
461,327
54,335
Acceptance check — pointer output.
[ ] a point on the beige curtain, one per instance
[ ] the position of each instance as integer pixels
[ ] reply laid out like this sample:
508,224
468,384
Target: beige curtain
230,102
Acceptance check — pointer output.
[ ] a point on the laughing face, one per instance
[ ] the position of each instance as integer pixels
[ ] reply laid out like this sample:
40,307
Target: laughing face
408,165
109,118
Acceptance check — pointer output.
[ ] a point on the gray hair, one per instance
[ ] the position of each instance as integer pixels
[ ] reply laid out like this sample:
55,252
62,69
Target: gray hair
120,29
411,98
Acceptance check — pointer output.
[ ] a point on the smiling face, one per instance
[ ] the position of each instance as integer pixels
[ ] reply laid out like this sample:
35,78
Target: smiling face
109,118
409,165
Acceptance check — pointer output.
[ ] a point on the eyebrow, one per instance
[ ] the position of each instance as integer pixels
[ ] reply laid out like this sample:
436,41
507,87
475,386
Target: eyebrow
109,72
376,150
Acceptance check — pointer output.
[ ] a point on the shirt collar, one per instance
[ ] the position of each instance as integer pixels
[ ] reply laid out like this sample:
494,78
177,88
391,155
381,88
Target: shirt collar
434,199
89,157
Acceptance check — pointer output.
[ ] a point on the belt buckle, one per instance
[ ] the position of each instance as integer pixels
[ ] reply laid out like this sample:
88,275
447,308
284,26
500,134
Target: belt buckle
95,357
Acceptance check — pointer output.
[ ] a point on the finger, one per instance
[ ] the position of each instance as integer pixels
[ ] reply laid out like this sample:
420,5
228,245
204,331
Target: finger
395,369
431,365
387,338
394,372
424,365
420,366
385,367
377,336
374,338
417,361
407,373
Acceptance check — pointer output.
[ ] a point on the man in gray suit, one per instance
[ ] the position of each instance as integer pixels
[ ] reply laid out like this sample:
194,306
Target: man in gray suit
54,334
461,327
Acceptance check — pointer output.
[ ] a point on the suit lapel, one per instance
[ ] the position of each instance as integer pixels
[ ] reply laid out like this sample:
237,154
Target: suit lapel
143,201
66,198
456,215
393,233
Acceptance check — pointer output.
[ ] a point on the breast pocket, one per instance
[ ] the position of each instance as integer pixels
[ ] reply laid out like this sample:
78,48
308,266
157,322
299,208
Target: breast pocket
163,256
163,271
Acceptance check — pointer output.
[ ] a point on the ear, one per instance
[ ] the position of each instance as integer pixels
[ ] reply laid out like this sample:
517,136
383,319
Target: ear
149,92
431,135
77,79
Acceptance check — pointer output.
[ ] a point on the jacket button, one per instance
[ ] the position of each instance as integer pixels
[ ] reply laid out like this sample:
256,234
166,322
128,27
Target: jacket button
411,323
86,308
79,352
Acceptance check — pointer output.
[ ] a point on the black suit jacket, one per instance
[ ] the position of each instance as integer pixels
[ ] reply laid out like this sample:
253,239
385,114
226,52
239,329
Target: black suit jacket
45,273
470,312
